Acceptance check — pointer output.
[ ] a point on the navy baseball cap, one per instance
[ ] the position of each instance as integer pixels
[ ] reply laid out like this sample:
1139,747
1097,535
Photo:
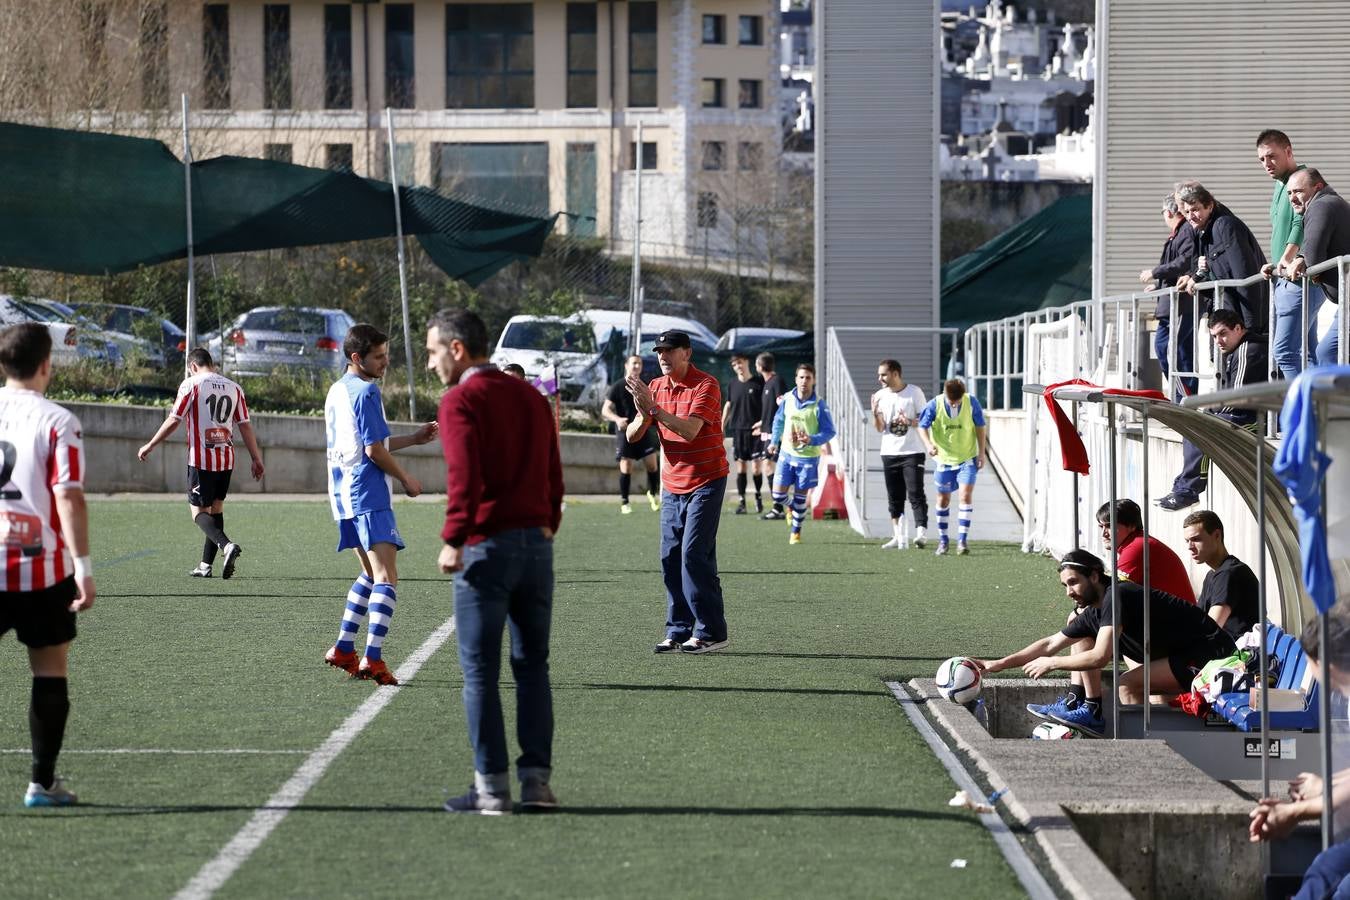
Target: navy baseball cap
670,340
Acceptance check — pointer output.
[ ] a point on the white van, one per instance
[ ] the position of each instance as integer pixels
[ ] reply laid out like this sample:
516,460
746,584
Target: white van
538,343
607,320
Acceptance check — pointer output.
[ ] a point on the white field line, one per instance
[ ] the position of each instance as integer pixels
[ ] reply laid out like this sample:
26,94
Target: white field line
165,751
212,876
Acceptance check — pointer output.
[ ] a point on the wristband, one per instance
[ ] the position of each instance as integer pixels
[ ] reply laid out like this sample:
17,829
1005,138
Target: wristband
84,567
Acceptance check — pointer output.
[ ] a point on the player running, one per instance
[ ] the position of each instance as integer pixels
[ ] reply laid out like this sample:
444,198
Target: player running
361,467
45,530
212,405
801,427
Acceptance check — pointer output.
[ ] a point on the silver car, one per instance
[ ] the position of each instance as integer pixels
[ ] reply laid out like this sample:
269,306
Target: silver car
303,338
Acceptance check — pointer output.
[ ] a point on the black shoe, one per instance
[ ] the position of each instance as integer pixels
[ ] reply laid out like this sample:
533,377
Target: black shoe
759,504
740,507
1175,501
775,514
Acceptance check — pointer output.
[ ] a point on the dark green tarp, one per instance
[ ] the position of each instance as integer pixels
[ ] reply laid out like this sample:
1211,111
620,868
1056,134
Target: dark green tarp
1044,261
89,204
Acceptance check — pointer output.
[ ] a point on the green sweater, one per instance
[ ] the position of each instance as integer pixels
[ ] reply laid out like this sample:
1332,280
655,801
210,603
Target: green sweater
1286,226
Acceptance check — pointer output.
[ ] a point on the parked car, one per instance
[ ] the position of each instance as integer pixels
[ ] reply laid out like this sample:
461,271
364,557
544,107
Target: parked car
606,320
65,349
538,343
89,342
123,321
268,338
750,339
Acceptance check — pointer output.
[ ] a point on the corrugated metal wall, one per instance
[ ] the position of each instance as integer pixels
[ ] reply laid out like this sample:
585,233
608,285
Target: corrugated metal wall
876,173
1186,87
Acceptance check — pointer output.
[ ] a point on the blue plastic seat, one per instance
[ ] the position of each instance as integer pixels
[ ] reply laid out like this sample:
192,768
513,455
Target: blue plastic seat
1236,708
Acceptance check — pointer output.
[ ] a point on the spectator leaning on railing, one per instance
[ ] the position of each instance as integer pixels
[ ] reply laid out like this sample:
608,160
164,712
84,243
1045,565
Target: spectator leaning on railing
1178,259
1326,235
1226,250
1276,154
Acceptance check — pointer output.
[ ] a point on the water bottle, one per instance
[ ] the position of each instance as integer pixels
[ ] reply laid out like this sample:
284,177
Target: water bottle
981,713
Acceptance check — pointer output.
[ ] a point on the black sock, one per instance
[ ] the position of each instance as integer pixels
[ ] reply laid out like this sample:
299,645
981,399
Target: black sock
740,485
1094,705
209,547
1078,692
207,523
47,713
625,484
759,483
654,483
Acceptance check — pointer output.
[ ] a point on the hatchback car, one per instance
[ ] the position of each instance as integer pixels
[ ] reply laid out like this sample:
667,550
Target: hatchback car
168,342
300,338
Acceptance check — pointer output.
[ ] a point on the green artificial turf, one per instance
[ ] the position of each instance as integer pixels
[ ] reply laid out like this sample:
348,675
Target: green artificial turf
779,767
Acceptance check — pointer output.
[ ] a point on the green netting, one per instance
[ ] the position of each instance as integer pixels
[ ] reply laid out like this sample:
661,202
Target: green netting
1044,261
90,204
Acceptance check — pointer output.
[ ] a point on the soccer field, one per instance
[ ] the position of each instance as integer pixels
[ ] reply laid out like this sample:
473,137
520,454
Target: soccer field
779,767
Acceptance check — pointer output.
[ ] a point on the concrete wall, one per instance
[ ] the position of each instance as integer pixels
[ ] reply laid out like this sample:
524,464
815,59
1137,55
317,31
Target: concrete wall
293,450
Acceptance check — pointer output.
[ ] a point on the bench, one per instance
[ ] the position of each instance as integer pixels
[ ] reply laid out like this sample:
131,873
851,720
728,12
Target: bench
1295,675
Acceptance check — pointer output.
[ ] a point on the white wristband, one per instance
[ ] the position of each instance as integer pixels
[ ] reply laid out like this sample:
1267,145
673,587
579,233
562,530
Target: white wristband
84,567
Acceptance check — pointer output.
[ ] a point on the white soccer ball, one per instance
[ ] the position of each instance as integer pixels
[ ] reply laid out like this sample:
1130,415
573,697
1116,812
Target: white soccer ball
958,679
1053,731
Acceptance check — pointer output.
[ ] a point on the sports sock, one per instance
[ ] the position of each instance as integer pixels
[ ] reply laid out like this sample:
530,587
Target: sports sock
1078,692
759,484
942,513
209,548
1094,706
963,521
740,485
798,510
358,601
654,483
779,498
47,712
899,528
207,523
625,485
382,600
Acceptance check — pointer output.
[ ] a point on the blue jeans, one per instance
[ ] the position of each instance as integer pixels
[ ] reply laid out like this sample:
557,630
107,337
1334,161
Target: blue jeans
1331,341
1328,876
689,562
1185,338
1287,340
507,578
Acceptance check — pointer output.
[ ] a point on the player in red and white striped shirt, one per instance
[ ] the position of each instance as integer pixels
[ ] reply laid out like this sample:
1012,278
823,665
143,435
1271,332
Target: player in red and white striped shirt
211,405
43,522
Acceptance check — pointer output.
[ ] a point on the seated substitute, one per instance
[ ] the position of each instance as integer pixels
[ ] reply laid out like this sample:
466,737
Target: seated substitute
1184,639
1166,571
1231,593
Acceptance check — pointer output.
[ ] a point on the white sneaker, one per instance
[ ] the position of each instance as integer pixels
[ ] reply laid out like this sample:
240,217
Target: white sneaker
56,795
920,537
891,544
203,570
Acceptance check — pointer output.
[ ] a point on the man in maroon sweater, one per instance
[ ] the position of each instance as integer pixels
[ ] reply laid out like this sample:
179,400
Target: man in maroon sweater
498,437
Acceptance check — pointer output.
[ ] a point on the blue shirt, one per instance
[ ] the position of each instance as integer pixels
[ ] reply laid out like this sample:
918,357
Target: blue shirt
354,415
930,411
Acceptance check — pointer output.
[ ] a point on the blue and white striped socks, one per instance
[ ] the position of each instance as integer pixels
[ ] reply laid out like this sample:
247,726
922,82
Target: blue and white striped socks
381,611
943,512
963,521
358,599
798,510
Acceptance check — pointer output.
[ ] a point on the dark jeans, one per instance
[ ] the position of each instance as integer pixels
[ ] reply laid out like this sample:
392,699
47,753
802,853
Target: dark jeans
904,476
1328,876
689,562
1184,336
1194,477
507,578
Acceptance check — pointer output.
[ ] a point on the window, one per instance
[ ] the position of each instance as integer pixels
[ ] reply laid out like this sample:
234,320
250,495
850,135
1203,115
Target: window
399,80
154,56
648,154
337,157
277,152
216,56
714,156
751,32
750,156
513,177
337,56
642,53
407,162
712,92
277,56
581,53
714,29
707,210
749,94
489,56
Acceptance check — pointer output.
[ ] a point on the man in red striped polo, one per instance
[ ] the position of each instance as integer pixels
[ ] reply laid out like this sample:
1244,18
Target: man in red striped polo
686,406
211,405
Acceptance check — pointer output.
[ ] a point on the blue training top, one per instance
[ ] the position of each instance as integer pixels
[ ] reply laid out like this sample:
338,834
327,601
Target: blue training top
354,415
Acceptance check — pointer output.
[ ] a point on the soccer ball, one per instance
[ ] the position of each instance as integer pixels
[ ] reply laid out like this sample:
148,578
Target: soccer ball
1052,731
958,679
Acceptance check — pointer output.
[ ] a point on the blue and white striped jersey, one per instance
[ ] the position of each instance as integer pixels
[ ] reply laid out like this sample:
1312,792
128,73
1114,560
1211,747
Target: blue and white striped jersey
354,414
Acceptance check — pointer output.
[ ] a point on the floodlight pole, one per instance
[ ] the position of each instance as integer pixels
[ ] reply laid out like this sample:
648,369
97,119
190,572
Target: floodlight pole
635,329
402,264
190,339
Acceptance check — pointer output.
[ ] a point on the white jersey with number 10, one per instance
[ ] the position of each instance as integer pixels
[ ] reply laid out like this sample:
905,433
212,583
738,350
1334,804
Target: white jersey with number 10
211,405
41,452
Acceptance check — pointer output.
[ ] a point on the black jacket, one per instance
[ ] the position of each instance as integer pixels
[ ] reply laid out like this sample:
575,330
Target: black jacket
1247,364
1178,258
1232,252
